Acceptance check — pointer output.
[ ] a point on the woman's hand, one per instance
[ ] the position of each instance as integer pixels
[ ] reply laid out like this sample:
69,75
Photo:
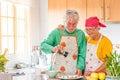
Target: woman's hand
87,73
78,71
60,27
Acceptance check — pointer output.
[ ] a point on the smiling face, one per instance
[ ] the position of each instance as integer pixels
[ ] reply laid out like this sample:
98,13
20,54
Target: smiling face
92,31
71,24
71,20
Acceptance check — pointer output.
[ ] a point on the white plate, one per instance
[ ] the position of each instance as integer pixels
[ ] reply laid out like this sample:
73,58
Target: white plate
69,77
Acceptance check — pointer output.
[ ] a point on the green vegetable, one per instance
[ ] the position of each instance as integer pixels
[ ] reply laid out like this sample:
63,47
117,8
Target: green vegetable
113,64
3,60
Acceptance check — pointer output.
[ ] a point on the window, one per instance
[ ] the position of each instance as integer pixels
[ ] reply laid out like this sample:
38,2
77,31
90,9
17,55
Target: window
14,28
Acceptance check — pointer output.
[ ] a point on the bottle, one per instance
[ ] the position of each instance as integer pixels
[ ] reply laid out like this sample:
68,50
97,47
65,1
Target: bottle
34,56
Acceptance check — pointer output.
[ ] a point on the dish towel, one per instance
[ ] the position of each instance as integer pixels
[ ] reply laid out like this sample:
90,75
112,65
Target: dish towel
5,76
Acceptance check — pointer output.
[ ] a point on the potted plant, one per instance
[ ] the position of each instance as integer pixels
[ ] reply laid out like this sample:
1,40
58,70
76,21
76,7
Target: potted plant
3,60
113,66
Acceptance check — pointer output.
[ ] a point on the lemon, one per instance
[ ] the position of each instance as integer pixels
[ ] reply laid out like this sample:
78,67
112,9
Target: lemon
101,75
95,75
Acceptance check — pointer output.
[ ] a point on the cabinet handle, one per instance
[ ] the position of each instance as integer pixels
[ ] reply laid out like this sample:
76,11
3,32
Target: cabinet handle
101,13
107,13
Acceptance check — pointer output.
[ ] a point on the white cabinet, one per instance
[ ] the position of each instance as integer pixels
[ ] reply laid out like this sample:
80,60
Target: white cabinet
22,77
27,76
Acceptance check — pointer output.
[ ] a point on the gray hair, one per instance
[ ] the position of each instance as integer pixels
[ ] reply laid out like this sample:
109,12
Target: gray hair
71,13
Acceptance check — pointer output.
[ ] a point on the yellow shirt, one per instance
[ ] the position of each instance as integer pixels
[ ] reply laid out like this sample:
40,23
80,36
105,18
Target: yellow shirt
104,47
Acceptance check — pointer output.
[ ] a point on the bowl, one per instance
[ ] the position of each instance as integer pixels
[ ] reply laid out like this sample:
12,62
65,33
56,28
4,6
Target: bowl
52,73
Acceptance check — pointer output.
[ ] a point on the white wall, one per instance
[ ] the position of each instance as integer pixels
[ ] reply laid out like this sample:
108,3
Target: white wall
112,31
34,22
39,21
43,19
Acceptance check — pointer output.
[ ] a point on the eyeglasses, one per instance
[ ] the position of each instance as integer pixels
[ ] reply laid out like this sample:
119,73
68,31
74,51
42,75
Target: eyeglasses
90,29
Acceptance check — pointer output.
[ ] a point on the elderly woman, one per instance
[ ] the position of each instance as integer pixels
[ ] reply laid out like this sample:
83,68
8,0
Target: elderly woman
69,44
98,47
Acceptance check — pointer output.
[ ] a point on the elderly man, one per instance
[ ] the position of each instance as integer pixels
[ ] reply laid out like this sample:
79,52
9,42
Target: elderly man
69,44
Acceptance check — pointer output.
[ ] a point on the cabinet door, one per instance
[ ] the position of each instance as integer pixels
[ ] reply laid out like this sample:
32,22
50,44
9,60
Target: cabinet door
112,10
56,10
80,6
95,8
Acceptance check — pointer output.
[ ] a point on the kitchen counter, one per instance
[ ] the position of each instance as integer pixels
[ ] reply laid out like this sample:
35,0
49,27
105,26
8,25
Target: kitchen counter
27,74
30,74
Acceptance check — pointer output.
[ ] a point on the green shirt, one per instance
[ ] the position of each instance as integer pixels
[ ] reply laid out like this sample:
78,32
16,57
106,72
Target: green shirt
54,39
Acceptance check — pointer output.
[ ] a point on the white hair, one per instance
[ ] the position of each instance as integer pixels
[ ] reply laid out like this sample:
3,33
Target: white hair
70,14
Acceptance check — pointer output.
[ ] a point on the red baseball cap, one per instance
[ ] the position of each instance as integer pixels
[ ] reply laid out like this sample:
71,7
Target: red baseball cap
93,22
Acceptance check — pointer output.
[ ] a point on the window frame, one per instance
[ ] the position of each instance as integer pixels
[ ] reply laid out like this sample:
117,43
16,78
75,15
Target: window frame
15,36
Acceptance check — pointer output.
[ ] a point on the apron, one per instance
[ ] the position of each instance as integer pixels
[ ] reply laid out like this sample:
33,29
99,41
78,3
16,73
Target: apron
67,64
92,61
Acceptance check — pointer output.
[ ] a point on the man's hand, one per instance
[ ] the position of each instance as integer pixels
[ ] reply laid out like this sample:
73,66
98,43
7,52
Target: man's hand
59,47
56,48
78,71
60,27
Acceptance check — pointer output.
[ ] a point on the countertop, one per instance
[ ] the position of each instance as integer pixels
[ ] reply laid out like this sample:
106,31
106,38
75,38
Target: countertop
27,74
30,74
